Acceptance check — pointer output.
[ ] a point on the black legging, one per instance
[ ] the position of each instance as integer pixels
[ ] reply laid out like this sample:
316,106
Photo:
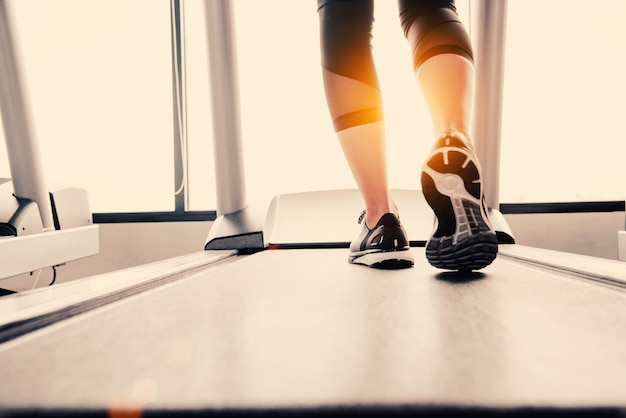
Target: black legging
432,27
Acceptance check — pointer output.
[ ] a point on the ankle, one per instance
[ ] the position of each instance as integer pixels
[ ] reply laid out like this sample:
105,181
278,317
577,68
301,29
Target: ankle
373,215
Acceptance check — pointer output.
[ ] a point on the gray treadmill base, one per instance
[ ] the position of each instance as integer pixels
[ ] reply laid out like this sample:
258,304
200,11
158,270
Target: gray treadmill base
329,219
326,219
236,231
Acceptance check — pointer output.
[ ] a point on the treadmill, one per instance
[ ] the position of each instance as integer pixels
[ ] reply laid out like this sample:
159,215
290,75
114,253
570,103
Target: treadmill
270,319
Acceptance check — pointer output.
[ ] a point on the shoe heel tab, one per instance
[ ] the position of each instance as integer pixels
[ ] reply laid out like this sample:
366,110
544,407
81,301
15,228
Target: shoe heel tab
388,219
452,138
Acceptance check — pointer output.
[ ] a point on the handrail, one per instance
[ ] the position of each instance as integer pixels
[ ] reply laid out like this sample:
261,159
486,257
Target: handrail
22,147
488,27
229,169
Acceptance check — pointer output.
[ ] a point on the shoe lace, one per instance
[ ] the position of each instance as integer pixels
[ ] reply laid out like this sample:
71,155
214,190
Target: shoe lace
361,217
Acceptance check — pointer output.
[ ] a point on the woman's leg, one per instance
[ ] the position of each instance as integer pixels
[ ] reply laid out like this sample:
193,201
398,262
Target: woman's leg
447,81
442,55
442,59
355,105
354,98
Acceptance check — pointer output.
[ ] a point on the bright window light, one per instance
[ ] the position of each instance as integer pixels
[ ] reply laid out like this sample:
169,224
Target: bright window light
200,170
99,82
564,101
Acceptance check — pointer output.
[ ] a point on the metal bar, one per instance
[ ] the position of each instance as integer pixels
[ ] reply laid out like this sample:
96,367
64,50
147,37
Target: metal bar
229,169
488,33
179,86
22,148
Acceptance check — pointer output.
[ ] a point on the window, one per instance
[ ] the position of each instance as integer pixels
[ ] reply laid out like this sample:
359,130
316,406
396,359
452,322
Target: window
99,78
564,101
99,82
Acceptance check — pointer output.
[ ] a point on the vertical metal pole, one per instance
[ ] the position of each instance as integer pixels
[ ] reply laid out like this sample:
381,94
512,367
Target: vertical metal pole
488,27
179,86
22,148
229,170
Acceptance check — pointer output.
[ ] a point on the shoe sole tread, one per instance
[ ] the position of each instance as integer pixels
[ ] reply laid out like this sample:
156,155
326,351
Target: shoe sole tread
463,238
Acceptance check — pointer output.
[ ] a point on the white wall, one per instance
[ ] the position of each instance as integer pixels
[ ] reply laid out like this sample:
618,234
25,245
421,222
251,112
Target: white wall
593,234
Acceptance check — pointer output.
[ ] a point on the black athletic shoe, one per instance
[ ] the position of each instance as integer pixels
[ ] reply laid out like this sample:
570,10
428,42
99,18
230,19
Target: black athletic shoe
463,238
385,246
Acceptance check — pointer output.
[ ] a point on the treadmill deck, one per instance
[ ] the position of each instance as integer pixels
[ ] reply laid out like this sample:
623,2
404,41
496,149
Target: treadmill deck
305,329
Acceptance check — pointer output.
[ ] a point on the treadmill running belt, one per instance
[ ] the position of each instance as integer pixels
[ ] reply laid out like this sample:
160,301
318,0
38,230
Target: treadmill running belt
304,330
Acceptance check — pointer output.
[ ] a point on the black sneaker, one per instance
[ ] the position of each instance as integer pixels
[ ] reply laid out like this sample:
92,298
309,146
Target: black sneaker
463,238
385,246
